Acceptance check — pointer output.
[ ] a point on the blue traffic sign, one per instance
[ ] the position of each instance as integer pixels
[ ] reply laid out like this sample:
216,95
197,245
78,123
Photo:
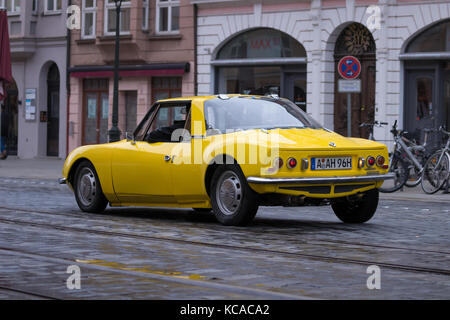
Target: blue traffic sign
349,67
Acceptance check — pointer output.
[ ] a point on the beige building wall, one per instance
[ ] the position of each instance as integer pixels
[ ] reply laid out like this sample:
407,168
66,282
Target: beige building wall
139,47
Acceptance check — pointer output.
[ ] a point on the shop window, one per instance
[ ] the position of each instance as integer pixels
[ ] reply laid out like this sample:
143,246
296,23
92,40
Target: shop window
262,43
250,80
434,39
166,88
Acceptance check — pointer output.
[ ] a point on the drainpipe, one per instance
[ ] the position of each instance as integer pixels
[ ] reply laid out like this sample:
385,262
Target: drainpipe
69,38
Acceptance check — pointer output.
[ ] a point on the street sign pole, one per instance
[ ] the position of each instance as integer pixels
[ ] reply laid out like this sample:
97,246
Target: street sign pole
349,69
349,114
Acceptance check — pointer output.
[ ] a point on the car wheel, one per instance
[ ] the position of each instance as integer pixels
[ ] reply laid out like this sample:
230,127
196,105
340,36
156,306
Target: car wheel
356,210
234,202
88,191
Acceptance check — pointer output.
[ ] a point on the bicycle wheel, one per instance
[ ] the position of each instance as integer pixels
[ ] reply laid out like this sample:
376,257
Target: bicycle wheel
401,170
436,172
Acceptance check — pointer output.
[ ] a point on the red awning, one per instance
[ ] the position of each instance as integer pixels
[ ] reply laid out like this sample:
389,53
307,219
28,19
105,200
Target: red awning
5,55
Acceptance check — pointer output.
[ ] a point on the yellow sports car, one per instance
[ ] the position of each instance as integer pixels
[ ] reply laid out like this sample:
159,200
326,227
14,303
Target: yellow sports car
230,154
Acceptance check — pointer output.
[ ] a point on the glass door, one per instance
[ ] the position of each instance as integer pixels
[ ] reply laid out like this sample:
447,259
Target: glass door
95,111
420,107
295,89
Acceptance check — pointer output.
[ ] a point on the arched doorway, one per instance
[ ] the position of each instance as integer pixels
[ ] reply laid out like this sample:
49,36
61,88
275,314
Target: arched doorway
356,40
10,121
53,111
262,61
427,81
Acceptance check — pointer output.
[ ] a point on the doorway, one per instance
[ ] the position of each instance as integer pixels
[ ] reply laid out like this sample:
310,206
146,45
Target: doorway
294,88
356,40
53,111
95,111
11,120
420,100
130,111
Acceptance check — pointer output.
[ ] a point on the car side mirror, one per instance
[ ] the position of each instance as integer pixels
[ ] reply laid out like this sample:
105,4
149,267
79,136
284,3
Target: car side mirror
130,138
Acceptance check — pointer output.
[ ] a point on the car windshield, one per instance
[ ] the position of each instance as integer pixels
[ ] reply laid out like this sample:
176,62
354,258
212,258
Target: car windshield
246,113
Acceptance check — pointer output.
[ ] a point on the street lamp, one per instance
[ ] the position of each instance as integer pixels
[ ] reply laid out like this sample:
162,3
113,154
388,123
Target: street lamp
114,132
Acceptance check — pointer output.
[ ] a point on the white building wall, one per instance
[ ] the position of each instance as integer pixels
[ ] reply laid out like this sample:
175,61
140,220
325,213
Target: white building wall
317,28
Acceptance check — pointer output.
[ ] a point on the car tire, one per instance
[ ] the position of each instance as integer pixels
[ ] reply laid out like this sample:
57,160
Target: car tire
234,203
350,210
87,188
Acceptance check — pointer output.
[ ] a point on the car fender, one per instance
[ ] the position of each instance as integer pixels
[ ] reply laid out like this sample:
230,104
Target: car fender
100,156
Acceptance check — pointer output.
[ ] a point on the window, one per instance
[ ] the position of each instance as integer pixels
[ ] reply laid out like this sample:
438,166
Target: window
168,16
246,113
145,13
12,6
434,39
166,88
110,17
35,7
169,124
52,6
262,43
89,14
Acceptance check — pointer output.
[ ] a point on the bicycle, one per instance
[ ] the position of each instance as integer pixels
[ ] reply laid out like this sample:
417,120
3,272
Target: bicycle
420,153
396,163
436,171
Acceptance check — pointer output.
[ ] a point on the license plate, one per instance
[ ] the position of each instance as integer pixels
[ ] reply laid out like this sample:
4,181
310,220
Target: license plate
344,163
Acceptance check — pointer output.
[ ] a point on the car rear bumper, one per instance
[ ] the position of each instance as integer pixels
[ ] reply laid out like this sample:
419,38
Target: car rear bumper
321,180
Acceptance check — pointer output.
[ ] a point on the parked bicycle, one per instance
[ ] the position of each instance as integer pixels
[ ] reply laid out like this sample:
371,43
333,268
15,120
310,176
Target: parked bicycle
436,172
397,164
420,153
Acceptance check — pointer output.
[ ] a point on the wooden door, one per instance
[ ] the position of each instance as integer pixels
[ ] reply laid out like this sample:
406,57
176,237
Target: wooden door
356,40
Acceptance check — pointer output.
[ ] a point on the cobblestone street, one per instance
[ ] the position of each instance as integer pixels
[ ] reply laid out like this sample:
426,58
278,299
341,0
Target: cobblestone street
286,253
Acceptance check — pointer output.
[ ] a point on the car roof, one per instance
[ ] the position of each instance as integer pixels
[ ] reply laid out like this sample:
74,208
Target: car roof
210,97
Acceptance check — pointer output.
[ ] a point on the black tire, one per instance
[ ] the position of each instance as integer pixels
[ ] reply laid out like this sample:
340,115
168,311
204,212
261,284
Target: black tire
88,191
356,210
234,203
401,169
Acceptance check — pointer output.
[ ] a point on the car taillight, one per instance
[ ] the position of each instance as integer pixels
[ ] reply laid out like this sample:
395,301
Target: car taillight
291,163
380,161
371,161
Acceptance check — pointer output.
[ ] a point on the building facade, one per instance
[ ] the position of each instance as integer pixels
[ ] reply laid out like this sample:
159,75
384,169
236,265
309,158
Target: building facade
157,60
36,102
293,48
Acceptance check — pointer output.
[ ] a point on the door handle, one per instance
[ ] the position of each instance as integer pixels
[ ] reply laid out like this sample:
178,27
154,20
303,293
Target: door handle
167,158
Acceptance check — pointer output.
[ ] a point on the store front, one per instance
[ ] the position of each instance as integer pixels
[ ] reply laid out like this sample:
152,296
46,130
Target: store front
427,80
262,61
